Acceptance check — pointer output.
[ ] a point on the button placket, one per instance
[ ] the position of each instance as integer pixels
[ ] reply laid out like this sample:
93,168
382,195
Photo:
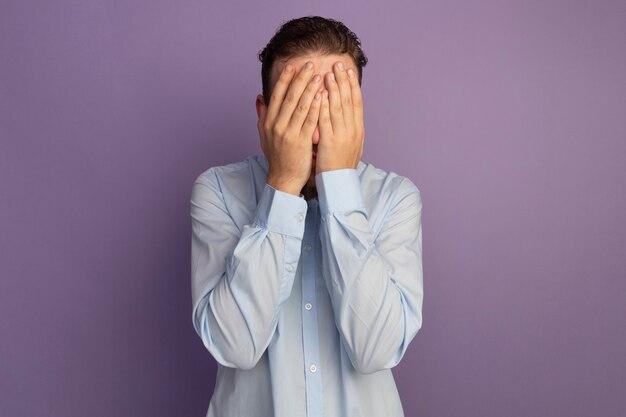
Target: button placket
310,336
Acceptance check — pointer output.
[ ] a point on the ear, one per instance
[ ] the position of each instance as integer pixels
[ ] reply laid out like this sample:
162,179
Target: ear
261,111
261,108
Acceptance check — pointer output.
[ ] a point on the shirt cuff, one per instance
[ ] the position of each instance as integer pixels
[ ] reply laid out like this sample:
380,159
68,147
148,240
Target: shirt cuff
281,212
338,190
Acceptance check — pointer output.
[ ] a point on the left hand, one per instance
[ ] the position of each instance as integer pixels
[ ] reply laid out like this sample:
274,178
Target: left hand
340,122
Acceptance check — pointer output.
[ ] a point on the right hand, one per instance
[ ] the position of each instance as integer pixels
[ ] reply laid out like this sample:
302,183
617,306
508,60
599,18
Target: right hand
286,127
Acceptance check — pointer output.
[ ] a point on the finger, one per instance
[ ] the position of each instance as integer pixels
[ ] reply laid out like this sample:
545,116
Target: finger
357,100
312,117
344,93
326,128
302,110
278,92
292,96
334,101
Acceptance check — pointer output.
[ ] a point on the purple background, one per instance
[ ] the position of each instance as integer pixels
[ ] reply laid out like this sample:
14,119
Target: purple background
508,115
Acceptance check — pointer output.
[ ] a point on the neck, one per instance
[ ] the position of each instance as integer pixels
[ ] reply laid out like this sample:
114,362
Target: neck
309,192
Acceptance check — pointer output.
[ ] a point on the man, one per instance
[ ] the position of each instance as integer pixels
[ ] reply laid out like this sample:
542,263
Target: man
307,282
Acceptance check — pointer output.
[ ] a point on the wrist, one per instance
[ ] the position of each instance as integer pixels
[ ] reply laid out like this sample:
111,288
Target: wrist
285,186
336,166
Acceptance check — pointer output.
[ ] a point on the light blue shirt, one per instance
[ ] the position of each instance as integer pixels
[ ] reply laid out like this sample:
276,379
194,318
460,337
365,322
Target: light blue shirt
306,305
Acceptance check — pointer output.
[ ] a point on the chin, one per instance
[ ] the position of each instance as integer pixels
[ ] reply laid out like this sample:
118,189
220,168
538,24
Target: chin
311,181
312,176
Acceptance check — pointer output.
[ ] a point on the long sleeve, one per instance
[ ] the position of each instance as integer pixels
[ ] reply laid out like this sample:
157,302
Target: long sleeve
240,277
375,282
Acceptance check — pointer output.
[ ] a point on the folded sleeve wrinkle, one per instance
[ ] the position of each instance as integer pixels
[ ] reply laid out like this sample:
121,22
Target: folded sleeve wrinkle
241,275
375,283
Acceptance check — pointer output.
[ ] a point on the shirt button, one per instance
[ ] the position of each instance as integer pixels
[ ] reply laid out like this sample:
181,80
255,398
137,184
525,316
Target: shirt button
313,368
290,268
300,217
307,247
308,306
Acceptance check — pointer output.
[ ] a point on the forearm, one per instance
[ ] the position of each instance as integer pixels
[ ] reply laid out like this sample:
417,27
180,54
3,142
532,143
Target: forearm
237,301
238,317
375,282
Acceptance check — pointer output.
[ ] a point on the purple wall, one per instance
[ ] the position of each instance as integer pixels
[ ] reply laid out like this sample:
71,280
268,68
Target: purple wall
509,116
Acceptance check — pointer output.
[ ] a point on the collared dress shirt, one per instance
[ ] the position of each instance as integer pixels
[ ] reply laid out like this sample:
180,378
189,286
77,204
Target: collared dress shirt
305,305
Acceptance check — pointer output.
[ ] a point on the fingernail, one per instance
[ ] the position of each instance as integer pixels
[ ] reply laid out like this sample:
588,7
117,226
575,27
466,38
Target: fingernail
340,66
288,68
332,77
316,79
309,65
351,73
